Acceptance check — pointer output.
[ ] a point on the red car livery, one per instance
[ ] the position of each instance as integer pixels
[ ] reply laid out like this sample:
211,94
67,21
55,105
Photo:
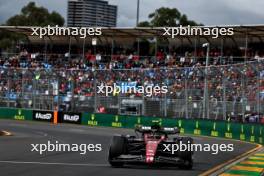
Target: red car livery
148,146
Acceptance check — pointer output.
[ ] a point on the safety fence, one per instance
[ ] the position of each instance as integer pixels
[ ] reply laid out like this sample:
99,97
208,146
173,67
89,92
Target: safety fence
224,129
216,92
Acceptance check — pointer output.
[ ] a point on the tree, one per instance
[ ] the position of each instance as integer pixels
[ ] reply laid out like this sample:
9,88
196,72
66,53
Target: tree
184,21
167,17
144,24
31,15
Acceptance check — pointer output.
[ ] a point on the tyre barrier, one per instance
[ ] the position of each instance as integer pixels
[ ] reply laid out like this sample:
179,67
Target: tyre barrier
224,129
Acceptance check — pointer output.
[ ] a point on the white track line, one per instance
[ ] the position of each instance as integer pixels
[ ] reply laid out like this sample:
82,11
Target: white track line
63,164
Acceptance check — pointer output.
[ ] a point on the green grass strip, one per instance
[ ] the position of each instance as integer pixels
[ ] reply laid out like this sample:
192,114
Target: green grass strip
238,172
250,165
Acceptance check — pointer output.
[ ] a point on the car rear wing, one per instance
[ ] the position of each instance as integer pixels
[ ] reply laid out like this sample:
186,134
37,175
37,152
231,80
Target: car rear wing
165,130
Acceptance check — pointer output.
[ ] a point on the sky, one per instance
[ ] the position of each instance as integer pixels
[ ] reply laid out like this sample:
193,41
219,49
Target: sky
208,12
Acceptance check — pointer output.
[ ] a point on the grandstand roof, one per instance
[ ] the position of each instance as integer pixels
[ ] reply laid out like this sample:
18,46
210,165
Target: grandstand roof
255,33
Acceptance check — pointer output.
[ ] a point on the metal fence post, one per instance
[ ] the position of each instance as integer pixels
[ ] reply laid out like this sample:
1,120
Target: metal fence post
95,92
243,97
119,104
258,91
205,101
34,92
9,88
58,82
143,111
186,96
72,92
143,105
56,91
165,106
224,98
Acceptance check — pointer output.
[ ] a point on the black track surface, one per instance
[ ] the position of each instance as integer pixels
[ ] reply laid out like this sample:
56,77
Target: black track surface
16,158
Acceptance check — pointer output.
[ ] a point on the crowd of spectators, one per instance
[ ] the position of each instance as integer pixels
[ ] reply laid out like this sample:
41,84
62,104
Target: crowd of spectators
122,59
69,75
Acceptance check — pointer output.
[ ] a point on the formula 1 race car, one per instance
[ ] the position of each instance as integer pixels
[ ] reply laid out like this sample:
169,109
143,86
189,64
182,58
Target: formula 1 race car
149,146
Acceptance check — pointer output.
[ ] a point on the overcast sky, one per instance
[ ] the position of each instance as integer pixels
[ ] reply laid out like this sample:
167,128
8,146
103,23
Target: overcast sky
208,12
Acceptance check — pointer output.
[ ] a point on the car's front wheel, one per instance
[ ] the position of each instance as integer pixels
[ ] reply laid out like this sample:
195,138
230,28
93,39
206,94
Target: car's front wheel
117,148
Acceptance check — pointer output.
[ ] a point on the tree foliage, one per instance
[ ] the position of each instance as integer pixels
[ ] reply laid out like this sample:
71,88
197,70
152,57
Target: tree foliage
167,17
144,24
31,15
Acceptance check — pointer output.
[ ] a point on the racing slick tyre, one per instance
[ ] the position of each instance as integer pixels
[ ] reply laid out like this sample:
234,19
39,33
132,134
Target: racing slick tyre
187,164
186,156
117,148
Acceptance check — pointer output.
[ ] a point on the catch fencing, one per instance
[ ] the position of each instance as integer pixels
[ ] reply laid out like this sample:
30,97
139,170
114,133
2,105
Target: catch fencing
214,92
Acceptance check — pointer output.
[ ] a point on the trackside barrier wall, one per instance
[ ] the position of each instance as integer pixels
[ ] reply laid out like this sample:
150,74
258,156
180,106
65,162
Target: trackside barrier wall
17,114
244,132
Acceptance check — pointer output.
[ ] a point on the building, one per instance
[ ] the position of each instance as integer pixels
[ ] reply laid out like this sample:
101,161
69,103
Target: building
85,13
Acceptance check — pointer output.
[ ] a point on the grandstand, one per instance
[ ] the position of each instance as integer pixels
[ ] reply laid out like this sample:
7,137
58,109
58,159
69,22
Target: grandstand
64,72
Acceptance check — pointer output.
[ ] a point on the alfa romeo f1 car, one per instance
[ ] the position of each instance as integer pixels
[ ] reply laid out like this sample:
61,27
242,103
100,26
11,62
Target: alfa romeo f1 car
148,146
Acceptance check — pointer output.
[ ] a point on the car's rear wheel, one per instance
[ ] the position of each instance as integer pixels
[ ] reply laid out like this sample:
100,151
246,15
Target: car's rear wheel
117,148
187,164
186,156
